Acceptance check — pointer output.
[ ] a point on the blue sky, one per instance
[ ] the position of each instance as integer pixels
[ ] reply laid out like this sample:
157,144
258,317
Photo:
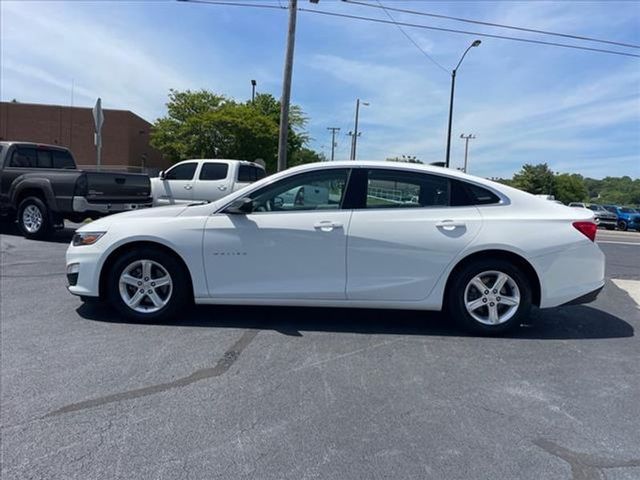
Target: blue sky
577,111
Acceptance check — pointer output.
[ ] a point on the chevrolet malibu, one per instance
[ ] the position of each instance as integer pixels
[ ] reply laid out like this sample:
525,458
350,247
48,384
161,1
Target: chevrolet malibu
347,234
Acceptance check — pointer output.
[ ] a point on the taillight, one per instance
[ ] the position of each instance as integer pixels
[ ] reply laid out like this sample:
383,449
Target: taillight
81,186
588,229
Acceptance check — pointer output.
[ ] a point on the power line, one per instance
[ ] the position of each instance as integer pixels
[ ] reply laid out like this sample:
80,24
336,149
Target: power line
490,24
236,4
433,60
418,25
466,32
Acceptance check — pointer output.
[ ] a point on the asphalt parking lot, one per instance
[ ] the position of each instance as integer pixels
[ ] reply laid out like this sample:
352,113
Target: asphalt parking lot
296,393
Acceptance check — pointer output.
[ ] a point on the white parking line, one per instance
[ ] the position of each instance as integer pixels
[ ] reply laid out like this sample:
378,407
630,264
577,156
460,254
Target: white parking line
632,287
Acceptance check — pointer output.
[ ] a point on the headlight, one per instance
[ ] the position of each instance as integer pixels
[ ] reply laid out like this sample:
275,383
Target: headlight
86,238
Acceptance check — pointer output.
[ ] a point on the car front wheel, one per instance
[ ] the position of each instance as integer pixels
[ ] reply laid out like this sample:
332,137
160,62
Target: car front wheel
490,296
148,285
622,225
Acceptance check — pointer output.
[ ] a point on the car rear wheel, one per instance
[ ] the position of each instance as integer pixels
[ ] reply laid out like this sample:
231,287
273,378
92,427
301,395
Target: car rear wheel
622,225
490,296
33,218
148,285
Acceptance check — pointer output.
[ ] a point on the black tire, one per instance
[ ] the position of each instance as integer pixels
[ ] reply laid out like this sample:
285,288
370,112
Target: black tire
622,225
456,302
177,299
27,227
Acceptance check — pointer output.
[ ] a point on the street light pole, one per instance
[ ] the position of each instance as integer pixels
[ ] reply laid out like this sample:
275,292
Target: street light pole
253,91
453,86
354,137
466,139
333,141
286,87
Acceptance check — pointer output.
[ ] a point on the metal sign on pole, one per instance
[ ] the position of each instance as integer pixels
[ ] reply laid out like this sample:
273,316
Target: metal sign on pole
98,119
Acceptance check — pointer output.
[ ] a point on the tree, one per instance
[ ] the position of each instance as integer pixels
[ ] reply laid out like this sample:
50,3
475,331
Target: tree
202,124
306,155
233,131
405,159
536,179
267,105
570,188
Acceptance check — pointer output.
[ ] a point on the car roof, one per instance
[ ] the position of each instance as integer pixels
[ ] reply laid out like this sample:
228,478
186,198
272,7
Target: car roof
32,144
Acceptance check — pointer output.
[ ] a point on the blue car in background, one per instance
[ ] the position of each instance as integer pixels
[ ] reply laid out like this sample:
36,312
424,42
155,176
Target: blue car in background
628,218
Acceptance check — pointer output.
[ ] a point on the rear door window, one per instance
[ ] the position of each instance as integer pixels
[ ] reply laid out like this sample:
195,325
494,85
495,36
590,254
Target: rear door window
249,173
400,189
214,171
24,157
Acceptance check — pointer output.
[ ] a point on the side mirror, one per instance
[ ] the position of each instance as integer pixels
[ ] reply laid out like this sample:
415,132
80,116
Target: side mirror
161,175
240,207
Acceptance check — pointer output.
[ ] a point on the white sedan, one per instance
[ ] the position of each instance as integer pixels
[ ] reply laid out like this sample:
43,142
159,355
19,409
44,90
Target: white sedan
347,234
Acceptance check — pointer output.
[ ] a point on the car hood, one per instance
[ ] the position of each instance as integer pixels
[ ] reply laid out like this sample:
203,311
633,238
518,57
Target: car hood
157,212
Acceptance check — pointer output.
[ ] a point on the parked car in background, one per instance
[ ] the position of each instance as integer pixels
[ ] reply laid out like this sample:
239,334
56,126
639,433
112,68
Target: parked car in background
602,216
373,235
203,180
40,186
628,218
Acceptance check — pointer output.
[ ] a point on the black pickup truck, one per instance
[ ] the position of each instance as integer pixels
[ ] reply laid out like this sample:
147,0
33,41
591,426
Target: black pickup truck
40,186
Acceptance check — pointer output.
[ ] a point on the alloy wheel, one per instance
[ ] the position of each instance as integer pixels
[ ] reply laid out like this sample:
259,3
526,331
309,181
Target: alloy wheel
32,219
145,286
492,297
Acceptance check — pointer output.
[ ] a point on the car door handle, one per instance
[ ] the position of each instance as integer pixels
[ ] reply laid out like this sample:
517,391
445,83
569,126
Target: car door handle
450,224
327,225
188,187
222,188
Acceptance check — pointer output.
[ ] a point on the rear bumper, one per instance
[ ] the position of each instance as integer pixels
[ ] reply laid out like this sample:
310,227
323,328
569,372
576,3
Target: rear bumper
569,274
586,298
606,222
82,205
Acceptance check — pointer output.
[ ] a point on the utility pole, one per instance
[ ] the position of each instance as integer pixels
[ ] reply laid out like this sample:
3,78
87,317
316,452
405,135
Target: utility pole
253,91
466,139
286,87
333,141
355,134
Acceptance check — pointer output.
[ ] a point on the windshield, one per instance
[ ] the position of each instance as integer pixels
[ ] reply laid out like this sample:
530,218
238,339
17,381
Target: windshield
627,210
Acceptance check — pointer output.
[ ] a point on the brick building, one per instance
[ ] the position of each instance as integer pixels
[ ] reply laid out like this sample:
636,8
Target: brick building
125,136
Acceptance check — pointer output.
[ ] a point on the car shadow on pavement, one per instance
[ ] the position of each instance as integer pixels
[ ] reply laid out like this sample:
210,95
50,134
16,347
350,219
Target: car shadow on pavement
565,323
58,236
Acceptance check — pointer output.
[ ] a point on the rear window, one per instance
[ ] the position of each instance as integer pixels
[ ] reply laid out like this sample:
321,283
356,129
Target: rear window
249,173
62,159
214,171
44,158
23,157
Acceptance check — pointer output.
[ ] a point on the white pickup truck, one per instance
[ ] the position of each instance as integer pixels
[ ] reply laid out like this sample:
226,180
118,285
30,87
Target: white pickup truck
203,179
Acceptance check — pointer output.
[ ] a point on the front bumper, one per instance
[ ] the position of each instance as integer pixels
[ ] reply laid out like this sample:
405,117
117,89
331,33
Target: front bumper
82,205
83,266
